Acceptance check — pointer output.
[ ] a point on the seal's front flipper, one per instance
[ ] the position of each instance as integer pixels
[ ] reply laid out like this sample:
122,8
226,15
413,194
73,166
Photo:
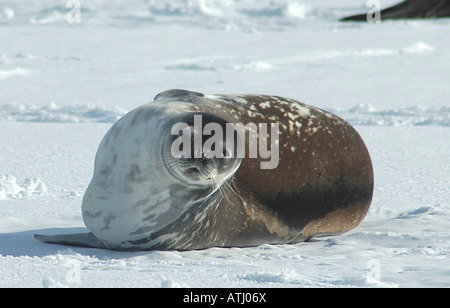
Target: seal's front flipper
80,239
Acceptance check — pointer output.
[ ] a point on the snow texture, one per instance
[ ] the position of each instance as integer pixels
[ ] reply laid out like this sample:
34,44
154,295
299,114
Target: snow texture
63,84
9,188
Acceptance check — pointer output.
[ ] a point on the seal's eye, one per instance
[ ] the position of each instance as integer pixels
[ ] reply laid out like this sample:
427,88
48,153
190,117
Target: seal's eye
226,153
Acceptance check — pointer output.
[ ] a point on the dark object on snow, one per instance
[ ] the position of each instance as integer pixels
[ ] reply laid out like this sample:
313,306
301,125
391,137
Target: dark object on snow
411,9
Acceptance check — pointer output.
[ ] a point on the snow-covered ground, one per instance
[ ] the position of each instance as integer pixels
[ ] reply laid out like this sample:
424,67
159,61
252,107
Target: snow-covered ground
62,85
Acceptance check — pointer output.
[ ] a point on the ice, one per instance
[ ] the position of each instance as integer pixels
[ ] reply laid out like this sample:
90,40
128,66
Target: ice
64,84
60,114
9,188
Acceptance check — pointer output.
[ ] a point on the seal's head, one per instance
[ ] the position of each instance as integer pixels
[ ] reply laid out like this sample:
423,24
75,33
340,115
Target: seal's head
199,151
154,165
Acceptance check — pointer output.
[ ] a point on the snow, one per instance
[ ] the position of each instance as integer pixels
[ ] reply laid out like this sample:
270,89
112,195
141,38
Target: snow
64,84
9,188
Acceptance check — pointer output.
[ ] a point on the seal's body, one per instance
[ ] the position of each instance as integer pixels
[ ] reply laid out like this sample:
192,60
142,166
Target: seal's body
143,198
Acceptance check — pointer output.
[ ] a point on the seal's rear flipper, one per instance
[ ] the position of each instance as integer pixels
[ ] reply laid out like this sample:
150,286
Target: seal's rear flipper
80,239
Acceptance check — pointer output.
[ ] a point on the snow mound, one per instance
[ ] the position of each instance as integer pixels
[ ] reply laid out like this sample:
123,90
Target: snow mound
60,114
173,284
417,47
9,188
14,72
285,277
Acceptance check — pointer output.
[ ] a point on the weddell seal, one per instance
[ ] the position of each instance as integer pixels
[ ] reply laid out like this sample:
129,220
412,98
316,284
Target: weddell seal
192,171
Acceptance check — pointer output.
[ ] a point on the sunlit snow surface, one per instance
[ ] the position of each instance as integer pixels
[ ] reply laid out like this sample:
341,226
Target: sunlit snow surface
62,85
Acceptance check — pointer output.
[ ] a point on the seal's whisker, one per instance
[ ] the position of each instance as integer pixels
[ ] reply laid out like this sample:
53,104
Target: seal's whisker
222,191
224,181
172,164
231,188
217,179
